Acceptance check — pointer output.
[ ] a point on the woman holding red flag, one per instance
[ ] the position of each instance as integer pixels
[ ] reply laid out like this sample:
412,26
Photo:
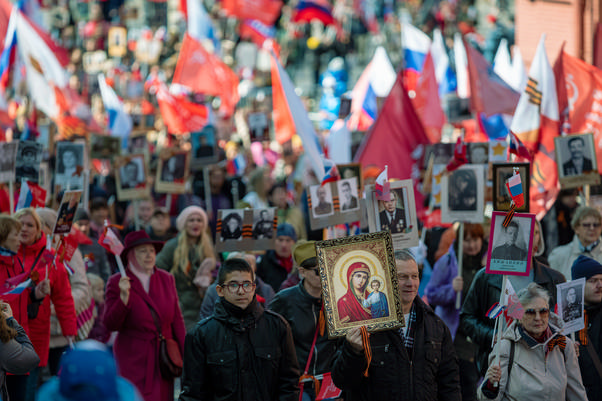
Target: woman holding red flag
34,258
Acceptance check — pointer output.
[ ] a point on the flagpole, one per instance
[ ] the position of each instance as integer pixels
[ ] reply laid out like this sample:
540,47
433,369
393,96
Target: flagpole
207,189
499,333
86,197
460,257
136,216
11,197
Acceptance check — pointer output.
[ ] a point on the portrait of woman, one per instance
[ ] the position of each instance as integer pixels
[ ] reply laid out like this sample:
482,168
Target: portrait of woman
351,305
232,227
462,190
69,166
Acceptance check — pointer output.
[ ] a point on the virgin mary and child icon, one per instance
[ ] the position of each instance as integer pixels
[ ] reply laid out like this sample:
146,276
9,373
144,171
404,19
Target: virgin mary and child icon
364,299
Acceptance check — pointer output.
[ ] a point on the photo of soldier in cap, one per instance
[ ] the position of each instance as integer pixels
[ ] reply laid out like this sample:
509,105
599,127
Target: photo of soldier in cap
28,161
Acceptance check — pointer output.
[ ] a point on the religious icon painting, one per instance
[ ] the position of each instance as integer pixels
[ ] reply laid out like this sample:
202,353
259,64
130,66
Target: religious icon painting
359,283
397,215
510,247
335,202
131,177
577,164
172,171
245,229
463,194
501,173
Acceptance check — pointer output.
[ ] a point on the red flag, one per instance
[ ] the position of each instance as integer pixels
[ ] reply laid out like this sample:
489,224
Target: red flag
179,115
490,94
266,11
109,241
396,133
427,102
328,390
460,158
582,97
204,72
284,125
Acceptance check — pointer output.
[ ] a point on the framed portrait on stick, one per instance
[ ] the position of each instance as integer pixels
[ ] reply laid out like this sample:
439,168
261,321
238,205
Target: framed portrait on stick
8,157
204,147
510,247
172,171
27,164
336,202
501,173
70,165
463,194
245,229
131,177
570,299
576,160
397,216
359,283
104,146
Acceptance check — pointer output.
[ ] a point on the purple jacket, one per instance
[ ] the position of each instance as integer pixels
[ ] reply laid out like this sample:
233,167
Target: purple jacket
440,292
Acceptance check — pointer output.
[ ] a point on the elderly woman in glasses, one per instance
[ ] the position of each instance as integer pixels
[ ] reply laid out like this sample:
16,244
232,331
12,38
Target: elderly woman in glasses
587,223
536,361
136,306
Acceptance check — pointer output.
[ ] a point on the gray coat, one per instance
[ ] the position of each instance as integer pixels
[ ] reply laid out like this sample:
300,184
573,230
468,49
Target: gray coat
16,356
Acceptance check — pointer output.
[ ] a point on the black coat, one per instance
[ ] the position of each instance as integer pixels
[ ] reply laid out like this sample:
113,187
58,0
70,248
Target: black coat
248,359
484,291
270,270
589,374
430,375
302,312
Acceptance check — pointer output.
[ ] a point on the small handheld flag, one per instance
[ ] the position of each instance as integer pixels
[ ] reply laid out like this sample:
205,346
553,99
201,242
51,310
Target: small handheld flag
495,310
515,189
382,186
332,172
460,158
516,147
109,241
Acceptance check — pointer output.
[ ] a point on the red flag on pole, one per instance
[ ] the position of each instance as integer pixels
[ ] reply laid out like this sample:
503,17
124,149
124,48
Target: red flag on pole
204,72
427,102
179,115
266,11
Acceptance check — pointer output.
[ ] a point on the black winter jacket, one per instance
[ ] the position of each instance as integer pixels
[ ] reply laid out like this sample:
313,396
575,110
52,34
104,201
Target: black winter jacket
430,375
302,312
589,373
485,291
240,359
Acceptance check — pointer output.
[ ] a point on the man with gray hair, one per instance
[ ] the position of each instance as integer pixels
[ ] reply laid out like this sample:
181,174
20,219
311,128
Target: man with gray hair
587,224
415,363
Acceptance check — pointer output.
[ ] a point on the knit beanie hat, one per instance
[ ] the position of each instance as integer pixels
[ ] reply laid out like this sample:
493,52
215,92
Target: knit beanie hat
48,216
81,214
287,230
585,267
184,214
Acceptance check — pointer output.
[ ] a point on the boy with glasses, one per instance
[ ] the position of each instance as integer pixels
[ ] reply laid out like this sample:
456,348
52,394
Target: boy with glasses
587,224
241,352
301,306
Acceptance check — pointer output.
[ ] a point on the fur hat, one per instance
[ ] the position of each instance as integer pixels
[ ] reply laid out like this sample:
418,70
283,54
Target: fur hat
185,214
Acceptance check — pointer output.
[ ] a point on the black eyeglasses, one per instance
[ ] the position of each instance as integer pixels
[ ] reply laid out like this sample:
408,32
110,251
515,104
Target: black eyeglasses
233,286
543,312
590,225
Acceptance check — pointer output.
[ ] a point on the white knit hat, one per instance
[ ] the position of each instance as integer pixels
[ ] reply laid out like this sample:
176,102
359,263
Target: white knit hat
184,214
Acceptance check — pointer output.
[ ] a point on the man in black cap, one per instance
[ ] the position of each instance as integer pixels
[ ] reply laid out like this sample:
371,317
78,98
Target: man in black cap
301,306
590,338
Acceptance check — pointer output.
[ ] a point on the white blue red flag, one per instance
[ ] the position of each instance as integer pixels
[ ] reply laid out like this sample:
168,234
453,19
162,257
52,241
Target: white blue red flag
120,123
515,189
495,310
382,186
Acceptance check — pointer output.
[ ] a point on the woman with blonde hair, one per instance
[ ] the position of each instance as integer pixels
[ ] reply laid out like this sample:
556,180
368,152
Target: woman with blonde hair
191,259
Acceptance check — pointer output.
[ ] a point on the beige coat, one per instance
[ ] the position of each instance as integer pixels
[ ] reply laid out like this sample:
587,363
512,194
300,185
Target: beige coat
535,376
562,257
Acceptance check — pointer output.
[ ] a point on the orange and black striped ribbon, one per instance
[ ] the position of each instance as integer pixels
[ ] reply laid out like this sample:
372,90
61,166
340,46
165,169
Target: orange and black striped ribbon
533,92
247,230
582,334
275,223
559,341
309,202
367,350
218,226
509,216
336,203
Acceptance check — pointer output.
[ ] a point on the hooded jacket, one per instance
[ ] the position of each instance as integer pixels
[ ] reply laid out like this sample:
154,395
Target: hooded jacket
536,375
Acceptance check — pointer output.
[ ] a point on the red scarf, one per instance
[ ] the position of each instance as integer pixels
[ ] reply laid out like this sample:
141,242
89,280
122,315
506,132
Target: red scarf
287,263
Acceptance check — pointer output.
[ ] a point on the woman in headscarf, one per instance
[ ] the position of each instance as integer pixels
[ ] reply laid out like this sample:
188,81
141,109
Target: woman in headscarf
191,259
135,305
33,257
350,305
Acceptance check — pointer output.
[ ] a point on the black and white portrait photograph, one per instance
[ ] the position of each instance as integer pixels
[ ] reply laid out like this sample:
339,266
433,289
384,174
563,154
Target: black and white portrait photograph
321,200
27,164
442,152
463,194
571,297
172,171
348,194
8,156
576,158
351,170
501,173
137,143
70,165
263,223
105,147
510,247
204,147
66,212
131,177
478,152
259,127
231,225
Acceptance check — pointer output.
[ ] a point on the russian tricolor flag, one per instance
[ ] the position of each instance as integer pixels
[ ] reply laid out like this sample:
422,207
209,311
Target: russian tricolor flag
517,147
515,189
308,10
8,54
120,123
332,172
31,195
376,81
19,288
416,45
495,310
